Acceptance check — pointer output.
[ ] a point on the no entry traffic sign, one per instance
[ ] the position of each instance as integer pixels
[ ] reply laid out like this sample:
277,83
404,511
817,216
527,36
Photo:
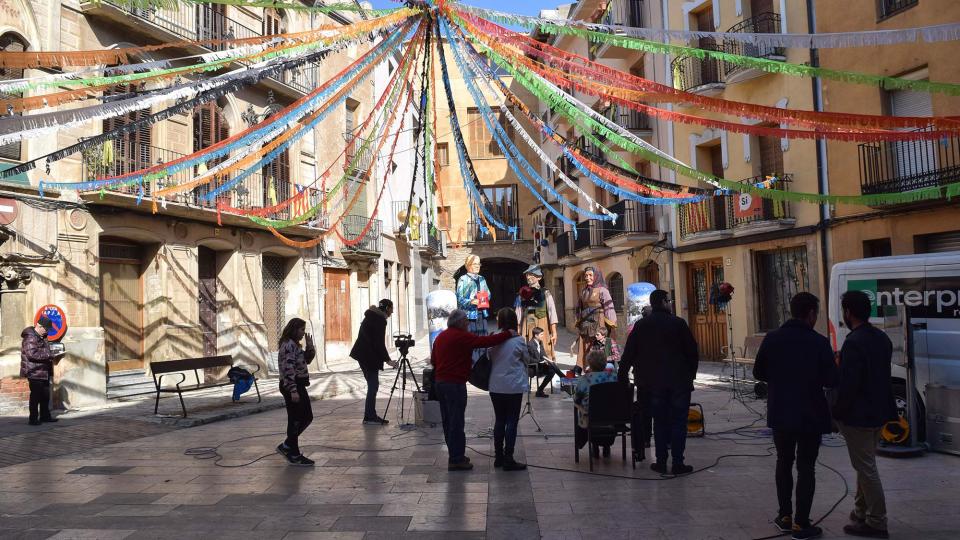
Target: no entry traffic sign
57,316
8,211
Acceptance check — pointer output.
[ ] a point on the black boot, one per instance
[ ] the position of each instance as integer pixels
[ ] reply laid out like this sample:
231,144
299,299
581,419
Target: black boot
606,451
509,464
497,458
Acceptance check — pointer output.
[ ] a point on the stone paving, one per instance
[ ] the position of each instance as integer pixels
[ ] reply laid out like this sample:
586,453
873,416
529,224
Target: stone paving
375,482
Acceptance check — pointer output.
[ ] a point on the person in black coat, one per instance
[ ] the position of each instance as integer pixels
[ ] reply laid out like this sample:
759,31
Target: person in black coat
797,363
662,353
864,404
370,351
36,365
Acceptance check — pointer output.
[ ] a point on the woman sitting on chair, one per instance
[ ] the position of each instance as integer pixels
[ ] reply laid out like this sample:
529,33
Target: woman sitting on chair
596,374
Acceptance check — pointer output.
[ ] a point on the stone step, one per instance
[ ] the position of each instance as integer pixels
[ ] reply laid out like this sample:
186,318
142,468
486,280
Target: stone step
131,390
129,383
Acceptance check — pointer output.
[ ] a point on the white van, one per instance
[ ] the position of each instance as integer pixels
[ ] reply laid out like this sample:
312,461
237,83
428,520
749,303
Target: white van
928,288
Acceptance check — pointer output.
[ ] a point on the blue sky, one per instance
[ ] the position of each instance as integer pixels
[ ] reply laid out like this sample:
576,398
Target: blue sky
524,7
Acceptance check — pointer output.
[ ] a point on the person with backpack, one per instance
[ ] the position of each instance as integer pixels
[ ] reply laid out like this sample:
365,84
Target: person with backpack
508,382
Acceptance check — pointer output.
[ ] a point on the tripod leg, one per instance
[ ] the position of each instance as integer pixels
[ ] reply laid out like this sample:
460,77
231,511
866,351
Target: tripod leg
392,389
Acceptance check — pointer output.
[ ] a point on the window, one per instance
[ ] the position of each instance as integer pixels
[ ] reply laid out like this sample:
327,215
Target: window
276,180
11,43
887,8
131,151
209,127
771,156
879,247
781,274
350,116
272,22
443,154
443,217
480,143
615,285
503,202
937,243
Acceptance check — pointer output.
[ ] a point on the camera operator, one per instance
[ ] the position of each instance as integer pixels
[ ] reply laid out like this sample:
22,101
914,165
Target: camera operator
370,351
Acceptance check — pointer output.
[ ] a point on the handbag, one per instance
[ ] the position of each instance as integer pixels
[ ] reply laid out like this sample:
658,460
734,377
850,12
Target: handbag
480,373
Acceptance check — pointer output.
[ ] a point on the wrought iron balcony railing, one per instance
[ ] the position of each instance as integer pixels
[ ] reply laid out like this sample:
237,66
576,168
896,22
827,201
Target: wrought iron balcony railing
372,240
762,23
623,13
477,231
589,149
887,8
690,72
358,159
628,118
589,235
727,212
899,166
633,217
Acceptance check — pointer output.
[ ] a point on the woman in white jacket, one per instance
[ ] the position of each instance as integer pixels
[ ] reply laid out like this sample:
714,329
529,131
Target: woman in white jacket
508,382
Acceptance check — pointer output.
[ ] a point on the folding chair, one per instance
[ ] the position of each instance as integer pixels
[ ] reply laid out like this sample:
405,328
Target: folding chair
610,412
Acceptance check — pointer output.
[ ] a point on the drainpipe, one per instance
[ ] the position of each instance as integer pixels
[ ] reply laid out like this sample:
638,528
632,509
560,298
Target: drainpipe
823,182
672,209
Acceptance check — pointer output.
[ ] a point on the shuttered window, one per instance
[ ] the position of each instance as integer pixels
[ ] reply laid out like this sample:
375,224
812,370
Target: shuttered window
937,243
771,156
480,143
131,151
209,128
11,43
272,22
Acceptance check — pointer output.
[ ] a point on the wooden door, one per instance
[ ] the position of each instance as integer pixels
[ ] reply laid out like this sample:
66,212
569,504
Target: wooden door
207,298
559,299
337,305
707,321
121,315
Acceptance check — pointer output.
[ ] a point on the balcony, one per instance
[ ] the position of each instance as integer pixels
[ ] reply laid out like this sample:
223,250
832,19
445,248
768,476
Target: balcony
475,232
735,215
124,157
635,226
889,8
589,240
901,166
590,150
618,13
764,23
367,248
636,122
565,254
699,76
358,159
194,23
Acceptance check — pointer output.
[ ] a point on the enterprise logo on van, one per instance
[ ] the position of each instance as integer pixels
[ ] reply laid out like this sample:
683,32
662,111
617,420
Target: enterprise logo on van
933,298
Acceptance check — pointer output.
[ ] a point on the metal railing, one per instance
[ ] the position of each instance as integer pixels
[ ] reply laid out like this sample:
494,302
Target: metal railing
623,13
887,8
722,213
633,217
252,192
690,72
589,235
476,233
899,166
568,169
202,22
762,23
589,149
358,159
372,241
628,118
564,245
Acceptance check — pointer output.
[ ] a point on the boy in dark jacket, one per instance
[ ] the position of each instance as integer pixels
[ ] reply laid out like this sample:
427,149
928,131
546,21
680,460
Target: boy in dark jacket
370,351
864,404
36,365
797,363
662,353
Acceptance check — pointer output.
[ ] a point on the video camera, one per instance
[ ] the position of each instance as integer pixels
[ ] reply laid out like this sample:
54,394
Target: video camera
403,343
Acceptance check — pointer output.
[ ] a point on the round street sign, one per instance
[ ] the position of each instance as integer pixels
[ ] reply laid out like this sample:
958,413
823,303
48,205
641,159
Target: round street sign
57,316
8,211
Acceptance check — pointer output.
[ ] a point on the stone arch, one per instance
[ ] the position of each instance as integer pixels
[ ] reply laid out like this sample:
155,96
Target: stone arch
25,27
504,276
617,292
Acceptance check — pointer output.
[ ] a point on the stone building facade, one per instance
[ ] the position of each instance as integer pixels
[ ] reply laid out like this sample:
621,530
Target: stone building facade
186,281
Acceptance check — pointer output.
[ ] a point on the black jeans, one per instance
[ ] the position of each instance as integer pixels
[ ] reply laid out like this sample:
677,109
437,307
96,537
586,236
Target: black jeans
506,410
670,409
372,376
546,371
453,407
804,448
299,416
39,399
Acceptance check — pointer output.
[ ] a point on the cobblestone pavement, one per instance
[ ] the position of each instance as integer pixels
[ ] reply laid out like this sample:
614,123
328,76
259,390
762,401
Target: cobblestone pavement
375,482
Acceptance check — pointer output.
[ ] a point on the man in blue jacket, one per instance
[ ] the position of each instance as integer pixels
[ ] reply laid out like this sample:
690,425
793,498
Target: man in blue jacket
864,404
796,362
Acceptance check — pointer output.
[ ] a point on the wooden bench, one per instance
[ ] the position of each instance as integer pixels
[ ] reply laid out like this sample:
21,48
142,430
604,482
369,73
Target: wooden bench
177,367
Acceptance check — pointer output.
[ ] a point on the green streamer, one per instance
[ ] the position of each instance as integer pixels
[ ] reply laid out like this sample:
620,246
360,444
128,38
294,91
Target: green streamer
763,64
559,104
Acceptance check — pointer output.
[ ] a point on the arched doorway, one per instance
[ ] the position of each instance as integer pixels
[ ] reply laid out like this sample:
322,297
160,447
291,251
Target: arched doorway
504,278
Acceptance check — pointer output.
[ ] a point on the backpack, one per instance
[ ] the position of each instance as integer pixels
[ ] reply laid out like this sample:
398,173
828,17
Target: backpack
480,373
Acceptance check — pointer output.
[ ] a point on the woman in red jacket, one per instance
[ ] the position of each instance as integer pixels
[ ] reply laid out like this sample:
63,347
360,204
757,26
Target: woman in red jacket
452,361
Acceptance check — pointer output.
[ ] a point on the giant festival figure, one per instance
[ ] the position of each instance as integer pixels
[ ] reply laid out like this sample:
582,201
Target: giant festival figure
473,295
596,315
536,309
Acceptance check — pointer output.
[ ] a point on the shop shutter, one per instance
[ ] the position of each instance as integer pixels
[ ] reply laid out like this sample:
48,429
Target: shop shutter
912,158
942,242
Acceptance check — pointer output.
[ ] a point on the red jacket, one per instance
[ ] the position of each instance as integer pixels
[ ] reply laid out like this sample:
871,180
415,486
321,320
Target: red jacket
453,350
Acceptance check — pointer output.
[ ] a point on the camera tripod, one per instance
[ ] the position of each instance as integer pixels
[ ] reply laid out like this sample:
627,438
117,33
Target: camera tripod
528,410
401,379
